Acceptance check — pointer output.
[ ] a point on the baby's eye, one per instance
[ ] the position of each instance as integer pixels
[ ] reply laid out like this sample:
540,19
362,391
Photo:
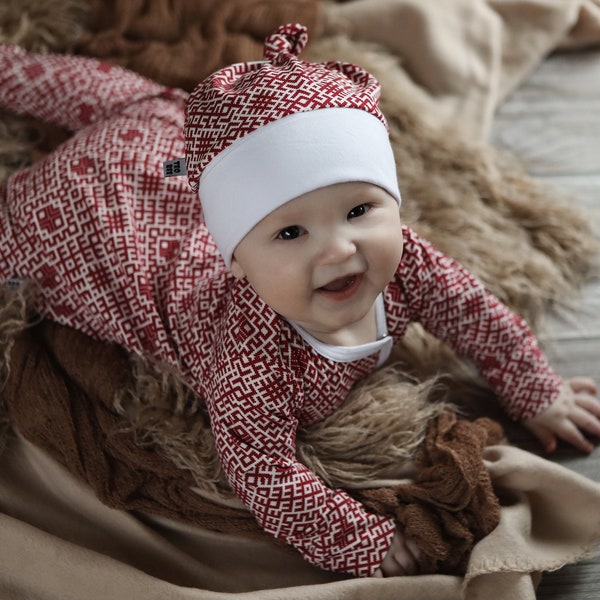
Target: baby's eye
358,211
291,233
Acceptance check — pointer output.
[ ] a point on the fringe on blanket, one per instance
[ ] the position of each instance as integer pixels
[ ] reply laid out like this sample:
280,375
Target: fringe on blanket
43,26
16,314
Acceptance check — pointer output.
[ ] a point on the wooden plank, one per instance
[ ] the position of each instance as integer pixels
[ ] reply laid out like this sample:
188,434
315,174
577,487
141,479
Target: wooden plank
573,582
552,122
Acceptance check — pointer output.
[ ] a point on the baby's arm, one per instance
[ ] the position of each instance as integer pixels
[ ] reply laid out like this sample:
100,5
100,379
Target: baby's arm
455,306
575,411
252,417
95,224
68,91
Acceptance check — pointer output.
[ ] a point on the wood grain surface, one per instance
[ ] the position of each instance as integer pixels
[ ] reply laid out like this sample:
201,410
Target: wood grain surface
552,123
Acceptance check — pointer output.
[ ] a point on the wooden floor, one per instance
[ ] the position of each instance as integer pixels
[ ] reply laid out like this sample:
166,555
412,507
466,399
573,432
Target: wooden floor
552,123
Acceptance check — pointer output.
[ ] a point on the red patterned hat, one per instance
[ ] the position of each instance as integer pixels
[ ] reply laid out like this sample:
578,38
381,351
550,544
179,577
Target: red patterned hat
259,134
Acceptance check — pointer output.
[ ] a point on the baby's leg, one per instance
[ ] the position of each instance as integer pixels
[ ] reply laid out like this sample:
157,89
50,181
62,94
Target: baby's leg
69,91
95,224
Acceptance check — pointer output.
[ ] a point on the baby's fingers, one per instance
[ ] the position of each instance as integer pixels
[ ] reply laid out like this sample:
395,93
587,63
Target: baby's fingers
570,432
544,436
583,417
586,414
405,560
401,558
583,384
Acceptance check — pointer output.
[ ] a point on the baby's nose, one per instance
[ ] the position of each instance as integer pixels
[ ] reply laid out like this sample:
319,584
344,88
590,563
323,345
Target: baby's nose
337,249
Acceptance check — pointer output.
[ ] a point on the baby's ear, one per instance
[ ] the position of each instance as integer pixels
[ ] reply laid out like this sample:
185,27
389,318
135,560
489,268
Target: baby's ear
236,269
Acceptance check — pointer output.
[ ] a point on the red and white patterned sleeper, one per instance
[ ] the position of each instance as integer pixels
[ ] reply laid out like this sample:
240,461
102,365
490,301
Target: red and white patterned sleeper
121,253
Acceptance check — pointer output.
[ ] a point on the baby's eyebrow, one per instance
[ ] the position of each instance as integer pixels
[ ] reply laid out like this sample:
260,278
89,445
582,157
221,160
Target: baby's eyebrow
291,221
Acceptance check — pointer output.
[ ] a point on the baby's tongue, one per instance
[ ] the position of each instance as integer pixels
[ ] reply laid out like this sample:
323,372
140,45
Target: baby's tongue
338,285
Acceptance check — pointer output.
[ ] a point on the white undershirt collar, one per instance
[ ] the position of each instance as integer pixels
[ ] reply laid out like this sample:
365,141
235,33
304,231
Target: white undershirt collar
383,344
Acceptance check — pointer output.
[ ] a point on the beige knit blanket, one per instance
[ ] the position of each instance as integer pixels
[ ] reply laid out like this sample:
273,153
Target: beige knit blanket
461,58
59,541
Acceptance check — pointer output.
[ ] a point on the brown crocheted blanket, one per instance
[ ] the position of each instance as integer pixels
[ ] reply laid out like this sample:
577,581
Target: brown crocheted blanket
450,505
180,43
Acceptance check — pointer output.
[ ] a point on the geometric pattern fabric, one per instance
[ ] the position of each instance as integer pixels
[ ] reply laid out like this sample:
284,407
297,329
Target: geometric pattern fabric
121,253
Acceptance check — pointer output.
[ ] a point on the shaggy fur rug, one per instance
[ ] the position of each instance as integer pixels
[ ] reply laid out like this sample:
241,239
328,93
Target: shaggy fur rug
531,247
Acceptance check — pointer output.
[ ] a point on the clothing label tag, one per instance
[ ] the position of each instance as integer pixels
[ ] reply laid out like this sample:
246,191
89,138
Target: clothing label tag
175,167
13,282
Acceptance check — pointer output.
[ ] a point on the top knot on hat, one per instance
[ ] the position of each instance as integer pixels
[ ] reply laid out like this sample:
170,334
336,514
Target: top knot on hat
239,99
288,39
261,133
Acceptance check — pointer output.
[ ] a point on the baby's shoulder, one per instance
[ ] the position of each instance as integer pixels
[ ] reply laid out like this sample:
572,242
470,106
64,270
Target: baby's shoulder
249,323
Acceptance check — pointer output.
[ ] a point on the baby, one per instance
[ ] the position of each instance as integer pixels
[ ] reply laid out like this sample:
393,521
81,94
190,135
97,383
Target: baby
289,280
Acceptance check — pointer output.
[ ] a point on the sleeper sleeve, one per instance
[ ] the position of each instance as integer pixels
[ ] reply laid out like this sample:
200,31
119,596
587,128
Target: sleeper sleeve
254,426
455,307
68,91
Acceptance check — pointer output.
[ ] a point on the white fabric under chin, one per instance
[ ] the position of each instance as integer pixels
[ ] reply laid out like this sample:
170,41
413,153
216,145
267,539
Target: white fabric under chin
383,344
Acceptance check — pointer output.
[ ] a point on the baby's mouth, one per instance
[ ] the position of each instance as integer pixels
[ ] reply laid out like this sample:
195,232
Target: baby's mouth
340,285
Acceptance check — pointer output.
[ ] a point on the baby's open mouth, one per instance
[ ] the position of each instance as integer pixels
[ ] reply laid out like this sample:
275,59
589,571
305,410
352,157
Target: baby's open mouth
340,285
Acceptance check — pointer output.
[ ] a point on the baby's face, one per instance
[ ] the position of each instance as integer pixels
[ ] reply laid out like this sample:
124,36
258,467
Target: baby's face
321,259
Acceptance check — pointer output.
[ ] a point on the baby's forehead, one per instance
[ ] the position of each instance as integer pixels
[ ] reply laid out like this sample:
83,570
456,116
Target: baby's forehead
319,197
323,199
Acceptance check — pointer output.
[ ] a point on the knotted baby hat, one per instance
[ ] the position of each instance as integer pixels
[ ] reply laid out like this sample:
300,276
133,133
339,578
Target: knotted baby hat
259,134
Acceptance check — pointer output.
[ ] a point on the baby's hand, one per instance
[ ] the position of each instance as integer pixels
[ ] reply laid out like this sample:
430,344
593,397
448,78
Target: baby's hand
575,411
401,558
